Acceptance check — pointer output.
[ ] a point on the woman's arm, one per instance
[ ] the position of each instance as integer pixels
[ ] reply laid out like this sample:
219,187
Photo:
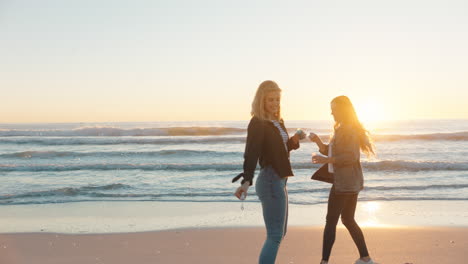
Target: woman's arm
253,148
293,142
323,148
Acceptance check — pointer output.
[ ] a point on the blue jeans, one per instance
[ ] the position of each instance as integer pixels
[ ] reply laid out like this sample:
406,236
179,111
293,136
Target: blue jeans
272,192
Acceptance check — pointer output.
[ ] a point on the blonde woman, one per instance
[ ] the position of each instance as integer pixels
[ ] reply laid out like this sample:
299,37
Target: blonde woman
269,144
343,162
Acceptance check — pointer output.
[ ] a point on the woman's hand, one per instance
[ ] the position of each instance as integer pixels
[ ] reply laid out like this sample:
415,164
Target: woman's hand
242,190
314,138
295,139
321,159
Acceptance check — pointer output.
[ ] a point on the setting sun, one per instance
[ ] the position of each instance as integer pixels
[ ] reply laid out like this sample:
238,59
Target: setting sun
371,111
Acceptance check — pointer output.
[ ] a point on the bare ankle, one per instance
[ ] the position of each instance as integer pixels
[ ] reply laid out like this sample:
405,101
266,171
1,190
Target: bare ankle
366,259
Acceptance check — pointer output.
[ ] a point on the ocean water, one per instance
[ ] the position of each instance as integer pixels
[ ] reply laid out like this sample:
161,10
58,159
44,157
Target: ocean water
195,161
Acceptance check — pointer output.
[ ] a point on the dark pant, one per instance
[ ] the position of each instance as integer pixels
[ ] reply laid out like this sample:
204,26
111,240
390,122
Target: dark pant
344,205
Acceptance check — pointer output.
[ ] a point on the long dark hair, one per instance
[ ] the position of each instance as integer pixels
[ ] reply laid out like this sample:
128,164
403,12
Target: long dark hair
348,116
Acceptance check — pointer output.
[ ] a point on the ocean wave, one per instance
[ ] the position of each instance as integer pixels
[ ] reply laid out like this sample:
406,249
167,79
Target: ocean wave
385,165
65,154
384,199
401,165
136,132
69,194
67,191
65,200
119,132
418,187
386,188
57,141
96,192
52,139
110,166
457,136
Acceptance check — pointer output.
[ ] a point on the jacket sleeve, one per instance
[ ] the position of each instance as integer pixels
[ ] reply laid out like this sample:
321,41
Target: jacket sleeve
253,148
346,150
291,145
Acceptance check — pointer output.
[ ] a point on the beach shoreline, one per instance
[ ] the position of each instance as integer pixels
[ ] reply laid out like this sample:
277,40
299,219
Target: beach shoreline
428,245
123,217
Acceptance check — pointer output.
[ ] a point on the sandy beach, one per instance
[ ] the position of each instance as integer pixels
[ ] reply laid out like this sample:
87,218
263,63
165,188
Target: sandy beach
205,233
435,245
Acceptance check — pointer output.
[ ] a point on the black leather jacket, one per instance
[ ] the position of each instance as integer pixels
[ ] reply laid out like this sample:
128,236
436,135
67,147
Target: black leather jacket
265,144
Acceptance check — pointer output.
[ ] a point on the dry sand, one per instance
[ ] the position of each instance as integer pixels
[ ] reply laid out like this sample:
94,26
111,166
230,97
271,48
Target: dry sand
432,245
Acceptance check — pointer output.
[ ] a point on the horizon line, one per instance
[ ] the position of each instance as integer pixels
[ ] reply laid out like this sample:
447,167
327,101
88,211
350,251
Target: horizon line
233,120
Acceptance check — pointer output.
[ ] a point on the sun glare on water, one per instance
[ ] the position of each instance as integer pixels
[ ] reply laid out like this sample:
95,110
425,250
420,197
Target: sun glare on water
370,211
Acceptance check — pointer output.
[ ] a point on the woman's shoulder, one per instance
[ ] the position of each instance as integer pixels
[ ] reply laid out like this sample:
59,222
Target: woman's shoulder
255,119
256,122
346,130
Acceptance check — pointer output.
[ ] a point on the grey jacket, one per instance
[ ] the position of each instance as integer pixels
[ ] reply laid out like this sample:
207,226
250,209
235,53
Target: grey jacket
348,176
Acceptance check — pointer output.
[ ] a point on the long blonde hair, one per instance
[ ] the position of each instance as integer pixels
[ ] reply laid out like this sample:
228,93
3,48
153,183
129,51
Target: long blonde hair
346,110
258,104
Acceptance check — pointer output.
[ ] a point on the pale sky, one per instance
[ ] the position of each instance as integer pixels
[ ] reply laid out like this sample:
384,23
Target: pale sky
114,60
